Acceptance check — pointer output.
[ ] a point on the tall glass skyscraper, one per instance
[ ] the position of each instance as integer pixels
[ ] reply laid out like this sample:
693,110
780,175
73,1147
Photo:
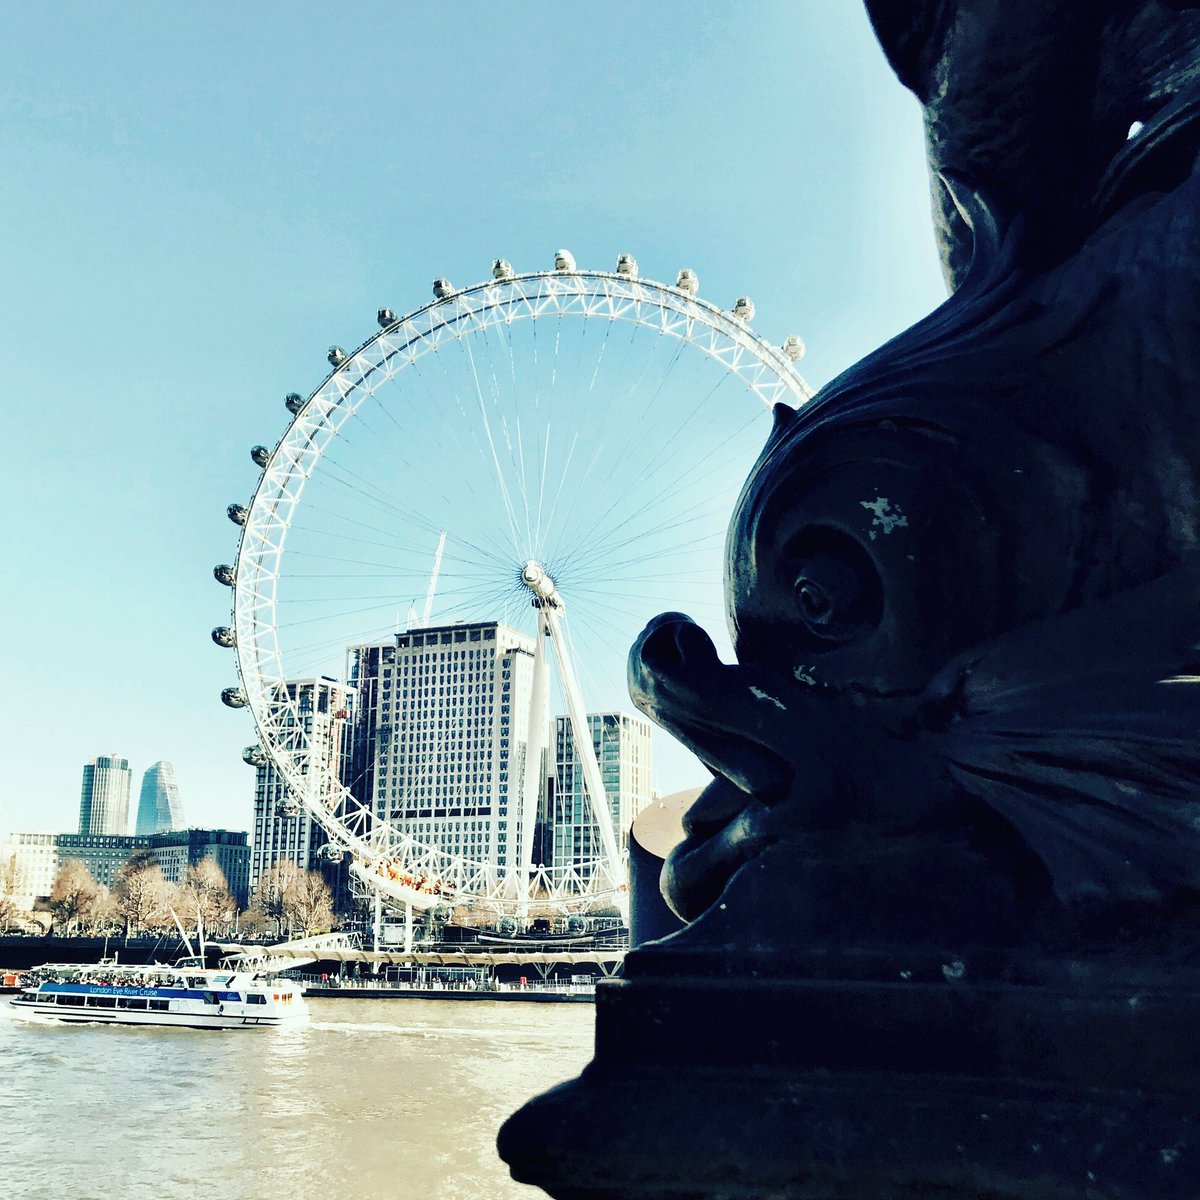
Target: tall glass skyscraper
159,807
623,749
104,801
282,827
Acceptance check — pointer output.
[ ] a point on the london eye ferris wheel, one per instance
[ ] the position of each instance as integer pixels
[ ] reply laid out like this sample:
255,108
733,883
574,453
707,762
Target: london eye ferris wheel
556,451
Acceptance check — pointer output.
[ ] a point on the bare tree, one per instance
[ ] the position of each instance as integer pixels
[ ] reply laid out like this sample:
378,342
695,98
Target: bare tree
12,885
103,915
308,903
73,894
142,893
205,890
271,890
253,922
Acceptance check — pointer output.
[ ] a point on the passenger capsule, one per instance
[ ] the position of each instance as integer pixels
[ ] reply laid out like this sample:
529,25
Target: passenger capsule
385,317
442,288
224,636
234,697
507,926
688,281
253,756
793,347
294,402
290,808
260,455
237,514
743,308
626,264
225,574
564,260
576,923
336,356
502,269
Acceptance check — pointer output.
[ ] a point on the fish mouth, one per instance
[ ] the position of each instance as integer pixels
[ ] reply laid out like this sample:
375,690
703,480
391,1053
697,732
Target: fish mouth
730,823
755,771
725,830
676,678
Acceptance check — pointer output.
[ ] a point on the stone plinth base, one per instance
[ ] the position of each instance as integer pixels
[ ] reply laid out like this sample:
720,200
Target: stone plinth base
811,1090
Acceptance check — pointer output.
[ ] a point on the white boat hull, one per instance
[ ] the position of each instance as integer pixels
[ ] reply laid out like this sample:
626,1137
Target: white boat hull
57,1014
180,997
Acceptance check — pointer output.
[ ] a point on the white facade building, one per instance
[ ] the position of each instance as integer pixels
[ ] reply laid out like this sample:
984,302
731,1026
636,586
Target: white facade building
38,857
34,858
622,742
282,827
443,734
104,799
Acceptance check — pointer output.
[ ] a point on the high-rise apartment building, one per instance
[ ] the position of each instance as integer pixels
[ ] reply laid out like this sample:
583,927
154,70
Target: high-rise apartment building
159,806
282,826
104,801
622,744
442,733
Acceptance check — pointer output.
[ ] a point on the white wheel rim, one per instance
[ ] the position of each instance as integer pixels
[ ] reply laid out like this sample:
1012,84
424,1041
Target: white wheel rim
764,370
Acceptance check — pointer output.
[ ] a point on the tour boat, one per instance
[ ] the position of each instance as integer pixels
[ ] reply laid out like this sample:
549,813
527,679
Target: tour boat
188,996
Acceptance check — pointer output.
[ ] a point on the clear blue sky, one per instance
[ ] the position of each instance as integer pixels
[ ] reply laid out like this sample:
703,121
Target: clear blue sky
197,200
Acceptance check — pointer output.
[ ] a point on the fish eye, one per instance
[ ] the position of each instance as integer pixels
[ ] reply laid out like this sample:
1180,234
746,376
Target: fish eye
837,589
814,603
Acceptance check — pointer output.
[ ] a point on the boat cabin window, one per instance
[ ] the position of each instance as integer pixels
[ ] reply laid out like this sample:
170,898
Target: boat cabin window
160,1005
102,1002
256,998
135,1002
74,1001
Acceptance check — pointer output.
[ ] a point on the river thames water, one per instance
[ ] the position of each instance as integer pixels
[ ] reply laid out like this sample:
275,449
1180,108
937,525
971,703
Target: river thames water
375,1098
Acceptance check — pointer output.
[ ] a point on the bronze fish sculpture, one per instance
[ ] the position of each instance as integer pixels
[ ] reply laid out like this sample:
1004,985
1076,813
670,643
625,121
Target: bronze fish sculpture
943,892
964,589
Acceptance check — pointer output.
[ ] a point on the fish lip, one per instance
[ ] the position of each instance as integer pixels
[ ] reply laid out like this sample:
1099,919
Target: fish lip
699,868
726,826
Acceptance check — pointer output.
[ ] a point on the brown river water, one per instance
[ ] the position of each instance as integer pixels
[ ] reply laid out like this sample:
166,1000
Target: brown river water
373,1099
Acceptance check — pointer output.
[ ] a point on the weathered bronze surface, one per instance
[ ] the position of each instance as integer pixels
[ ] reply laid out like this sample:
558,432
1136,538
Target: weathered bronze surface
944,889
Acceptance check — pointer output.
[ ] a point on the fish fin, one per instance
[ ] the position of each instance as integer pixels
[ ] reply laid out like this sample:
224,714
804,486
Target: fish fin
1081,732
911,33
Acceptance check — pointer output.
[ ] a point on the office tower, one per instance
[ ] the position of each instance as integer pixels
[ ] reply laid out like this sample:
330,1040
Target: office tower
442,733
283,828
104,802
623,751
159,806
177,849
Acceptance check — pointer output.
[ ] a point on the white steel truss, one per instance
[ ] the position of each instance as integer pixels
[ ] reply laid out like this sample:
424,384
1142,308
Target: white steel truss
387,858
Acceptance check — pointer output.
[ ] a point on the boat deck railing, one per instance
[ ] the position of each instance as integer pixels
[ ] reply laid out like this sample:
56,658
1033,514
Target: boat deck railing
376,983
